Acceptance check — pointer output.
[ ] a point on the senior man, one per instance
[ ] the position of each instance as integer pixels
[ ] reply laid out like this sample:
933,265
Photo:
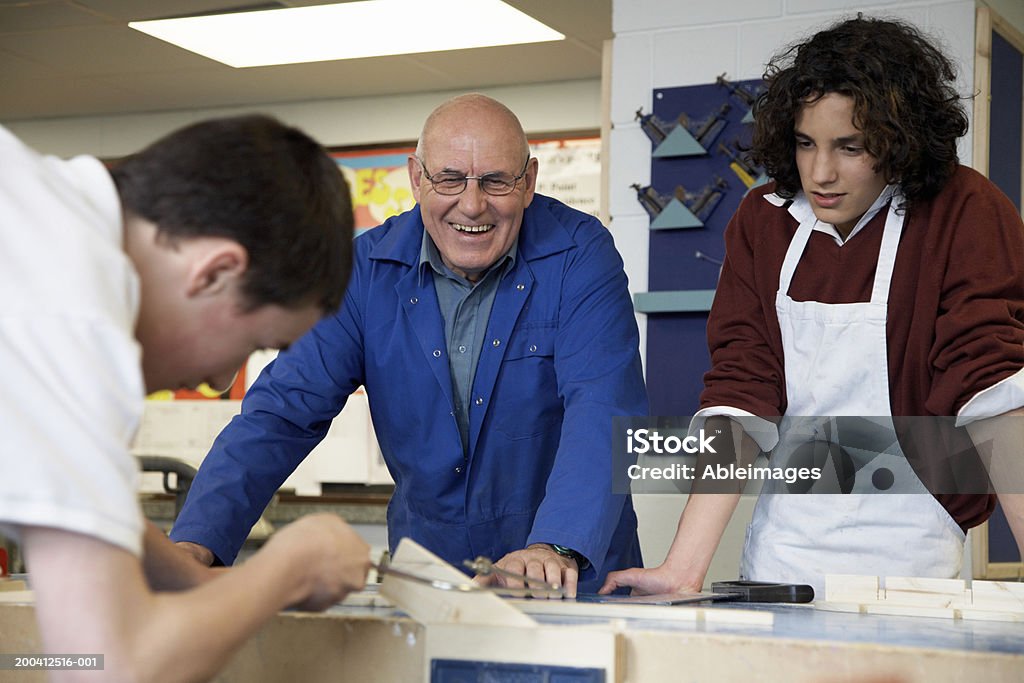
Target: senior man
494,333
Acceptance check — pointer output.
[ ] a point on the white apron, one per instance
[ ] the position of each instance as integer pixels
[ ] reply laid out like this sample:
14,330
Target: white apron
836,365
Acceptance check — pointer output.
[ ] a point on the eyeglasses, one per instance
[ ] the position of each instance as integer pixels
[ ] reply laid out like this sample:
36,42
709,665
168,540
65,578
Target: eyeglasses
495,184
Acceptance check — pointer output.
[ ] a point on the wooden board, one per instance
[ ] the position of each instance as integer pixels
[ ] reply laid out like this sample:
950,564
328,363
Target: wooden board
596,610
479,627
429,605
924,597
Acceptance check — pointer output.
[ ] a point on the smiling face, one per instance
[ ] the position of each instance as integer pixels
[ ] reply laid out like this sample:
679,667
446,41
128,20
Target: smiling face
472,136
836,171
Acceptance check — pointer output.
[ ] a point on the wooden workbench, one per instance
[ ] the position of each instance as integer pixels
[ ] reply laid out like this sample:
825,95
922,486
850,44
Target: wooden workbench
799,645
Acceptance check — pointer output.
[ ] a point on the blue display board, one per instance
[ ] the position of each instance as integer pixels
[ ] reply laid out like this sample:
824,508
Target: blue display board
1005,118
699,174
1004,169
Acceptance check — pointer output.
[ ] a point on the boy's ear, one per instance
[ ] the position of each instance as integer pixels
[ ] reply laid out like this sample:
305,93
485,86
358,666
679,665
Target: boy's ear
217,267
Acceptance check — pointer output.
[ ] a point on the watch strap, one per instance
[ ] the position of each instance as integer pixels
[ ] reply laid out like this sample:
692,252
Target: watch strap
581,562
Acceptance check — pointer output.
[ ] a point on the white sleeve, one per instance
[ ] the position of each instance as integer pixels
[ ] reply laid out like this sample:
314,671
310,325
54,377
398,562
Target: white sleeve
999,398
764,433
71,401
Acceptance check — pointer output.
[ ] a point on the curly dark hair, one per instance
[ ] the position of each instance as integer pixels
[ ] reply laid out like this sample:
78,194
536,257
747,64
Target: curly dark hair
904,102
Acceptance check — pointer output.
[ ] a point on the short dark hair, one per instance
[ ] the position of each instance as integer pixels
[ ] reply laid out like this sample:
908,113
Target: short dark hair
267,186
903,94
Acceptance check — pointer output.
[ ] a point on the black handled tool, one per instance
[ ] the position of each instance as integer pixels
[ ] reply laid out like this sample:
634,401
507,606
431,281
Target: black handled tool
762,591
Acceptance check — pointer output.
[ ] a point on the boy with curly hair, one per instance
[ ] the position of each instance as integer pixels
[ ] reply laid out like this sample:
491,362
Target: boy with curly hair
874,277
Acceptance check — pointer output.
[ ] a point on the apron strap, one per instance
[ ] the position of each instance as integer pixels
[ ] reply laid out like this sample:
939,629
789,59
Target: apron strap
800,209
887,252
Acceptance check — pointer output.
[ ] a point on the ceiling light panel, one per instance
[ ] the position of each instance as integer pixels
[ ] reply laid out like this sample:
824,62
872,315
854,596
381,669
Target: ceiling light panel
352,30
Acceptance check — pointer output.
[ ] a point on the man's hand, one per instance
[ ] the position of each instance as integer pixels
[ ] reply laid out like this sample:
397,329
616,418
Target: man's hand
201,553
538,561
329,558
168,567
655,581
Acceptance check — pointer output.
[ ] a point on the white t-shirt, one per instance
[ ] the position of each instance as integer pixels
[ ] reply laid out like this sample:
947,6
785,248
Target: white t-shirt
71,386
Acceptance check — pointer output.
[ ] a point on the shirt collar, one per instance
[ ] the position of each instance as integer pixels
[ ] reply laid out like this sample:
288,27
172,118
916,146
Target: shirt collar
883,199
828,228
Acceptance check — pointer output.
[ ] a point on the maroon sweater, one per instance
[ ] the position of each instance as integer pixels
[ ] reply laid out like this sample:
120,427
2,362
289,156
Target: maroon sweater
956,304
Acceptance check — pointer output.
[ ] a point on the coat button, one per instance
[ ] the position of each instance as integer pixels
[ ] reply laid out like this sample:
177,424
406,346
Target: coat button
533,348
520,286
496,343
479,401
414,300
437,353
458,470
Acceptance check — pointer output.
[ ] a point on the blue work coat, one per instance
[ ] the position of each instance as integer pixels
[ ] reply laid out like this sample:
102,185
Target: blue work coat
560,358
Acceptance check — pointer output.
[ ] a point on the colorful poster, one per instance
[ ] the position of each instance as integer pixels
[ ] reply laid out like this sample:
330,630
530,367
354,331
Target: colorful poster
570,171
379,182
234,393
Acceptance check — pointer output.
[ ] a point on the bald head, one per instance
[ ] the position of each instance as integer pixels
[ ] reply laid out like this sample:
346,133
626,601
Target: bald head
472,138
466,113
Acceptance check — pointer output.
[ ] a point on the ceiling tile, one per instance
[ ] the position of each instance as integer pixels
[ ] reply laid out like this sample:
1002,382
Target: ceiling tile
15,66
54,97
47,14
102,50
140,10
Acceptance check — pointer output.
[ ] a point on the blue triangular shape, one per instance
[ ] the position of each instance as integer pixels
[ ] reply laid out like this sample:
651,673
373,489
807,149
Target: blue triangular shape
676,215
679,143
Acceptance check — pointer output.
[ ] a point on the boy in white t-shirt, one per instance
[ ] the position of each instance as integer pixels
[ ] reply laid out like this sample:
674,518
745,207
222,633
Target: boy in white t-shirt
167,271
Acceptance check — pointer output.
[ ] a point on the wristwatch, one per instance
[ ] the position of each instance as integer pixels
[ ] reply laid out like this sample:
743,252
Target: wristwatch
581,562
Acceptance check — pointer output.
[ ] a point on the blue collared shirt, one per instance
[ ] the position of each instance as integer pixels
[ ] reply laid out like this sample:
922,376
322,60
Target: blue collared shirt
466,308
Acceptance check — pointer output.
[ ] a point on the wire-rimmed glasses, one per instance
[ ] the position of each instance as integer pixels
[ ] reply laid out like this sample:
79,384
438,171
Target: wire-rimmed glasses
497,184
